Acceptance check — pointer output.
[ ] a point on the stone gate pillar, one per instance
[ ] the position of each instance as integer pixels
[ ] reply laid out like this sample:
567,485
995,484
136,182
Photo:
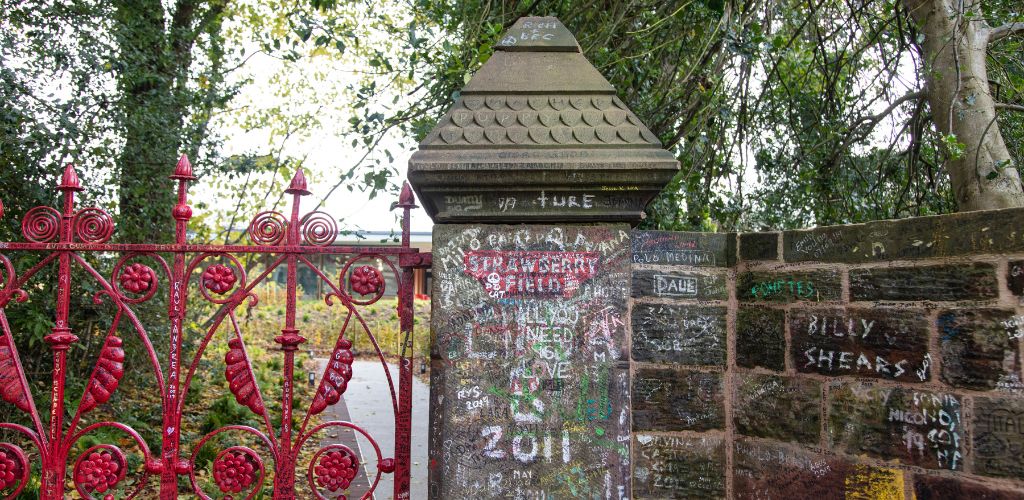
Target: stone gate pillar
534,178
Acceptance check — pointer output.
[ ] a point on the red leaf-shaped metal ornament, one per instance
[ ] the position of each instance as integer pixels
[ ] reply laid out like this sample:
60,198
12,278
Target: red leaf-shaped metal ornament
11,388
336,377
240,377
107,374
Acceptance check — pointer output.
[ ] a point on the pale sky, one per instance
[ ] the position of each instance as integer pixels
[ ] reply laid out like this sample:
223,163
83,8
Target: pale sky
314,86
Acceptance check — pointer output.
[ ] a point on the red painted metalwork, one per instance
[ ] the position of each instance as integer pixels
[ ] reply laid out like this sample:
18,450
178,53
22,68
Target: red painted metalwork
221,280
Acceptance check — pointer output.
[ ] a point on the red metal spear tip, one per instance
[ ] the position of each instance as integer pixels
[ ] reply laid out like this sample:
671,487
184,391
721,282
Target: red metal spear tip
298,184
405,198
183,171
69,181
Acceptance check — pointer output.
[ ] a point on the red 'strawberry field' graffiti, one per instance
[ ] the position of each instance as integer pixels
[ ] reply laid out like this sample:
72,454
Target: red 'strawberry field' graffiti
531,273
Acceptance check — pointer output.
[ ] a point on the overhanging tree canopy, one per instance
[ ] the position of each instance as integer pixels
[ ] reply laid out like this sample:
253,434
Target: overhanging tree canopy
784,113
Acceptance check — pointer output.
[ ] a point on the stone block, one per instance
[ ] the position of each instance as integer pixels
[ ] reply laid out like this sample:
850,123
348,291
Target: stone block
944,488
531,370
1015,277
768,471
687,335
684,249
761,337
979,347
931,283
709,285
759,246
998,437
884,343
678,467
666,399
780,408
965,233
915,427
811,286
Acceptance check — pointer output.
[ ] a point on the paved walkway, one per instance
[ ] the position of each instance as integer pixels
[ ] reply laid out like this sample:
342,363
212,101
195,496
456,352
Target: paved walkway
367,404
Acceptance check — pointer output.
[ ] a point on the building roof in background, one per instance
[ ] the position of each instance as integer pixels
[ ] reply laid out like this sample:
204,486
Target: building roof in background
418,239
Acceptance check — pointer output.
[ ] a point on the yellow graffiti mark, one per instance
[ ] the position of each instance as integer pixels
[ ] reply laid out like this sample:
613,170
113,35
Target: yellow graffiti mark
870,483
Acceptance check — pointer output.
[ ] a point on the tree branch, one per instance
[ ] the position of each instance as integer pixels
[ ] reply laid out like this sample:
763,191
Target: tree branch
1009,107
1008,29
874,119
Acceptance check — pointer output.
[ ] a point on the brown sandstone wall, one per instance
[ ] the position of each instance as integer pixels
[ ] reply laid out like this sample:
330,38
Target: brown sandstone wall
880,360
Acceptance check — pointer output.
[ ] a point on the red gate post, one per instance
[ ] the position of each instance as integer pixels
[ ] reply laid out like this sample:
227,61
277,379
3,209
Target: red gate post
55,462
403,421
176,311
284,478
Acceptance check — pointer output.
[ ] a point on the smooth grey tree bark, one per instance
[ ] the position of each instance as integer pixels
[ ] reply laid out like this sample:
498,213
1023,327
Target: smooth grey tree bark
955,45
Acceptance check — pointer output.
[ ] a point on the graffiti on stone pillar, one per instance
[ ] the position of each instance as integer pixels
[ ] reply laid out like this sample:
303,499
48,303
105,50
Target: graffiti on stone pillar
532,346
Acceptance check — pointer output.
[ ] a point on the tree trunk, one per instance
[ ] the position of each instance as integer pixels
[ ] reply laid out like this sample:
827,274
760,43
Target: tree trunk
954,47
153,57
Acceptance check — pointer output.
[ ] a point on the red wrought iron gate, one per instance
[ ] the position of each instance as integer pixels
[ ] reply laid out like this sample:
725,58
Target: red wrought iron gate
216,272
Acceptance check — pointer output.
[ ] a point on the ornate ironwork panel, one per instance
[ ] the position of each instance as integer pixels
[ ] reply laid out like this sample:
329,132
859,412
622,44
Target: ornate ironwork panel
46,447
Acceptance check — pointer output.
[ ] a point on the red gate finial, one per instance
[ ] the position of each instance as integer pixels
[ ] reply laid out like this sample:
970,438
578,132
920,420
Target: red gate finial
69,181
182,212
298,184
407,202
405,198
183,170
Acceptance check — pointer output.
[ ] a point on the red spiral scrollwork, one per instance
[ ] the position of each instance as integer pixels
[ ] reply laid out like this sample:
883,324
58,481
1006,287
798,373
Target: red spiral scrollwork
99,469
319,229
334,467
219,279
93,225
366,280
268,228
236,469
41,225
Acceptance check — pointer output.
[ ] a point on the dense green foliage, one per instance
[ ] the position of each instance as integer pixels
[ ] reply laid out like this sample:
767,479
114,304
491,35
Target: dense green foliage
782,113
120,89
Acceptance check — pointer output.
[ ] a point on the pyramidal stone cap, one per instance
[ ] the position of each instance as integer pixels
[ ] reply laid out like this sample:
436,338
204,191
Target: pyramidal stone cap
538,135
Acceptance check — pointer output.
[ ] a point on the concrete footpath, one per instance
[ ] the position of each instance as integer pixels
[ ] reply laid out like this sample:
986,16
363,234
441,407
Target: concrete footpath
367,403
